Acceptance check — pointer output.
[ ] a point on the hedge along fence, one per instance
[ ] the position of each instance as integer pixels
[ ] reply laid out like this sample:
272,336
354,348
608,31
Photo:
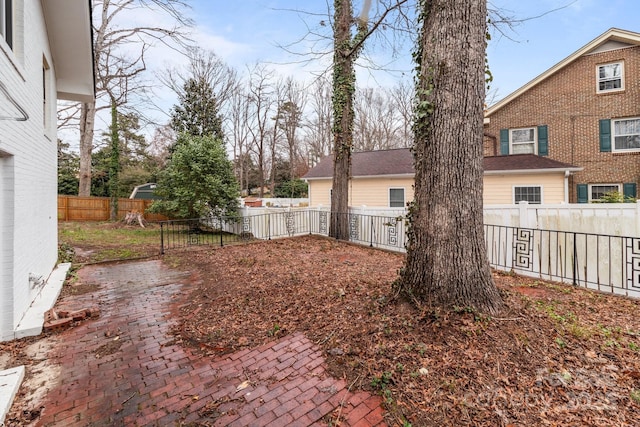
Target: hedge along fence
74,208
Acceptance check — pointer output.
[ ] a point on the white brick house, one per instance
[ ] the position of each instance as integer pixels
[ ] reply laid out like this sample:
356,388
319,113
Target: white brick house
45,54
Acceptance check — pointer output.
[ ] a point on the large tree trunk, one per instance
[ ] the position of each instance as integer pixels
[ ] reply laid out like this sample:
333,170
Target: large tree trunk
87,120
343,92
114,162
446,262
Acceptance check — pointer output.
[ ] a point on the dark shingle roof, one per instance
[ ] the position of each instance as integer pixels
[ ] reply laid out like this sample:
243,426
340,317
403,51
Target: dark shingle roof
369,163
519,162
400,162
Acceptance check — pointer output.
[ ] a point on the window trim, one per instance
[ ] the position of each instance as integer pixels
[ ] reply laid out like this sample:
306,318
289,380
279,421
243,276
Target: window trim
513,193
602,184
613,136
622,75
404,197
534,142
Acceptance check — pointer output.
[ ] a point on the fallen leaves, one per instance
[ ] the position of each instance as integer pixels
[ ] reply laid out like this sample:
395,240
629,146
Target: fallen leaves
444,369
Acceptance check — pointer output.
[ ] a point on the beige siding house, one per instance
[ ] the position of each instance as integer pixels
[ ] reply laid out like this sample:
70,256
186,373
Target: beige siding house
378,179
384,179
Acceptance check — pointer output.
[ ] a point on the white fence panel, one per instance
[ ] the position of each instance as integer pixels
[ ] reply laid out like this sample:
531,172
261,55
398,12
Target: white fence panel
618,219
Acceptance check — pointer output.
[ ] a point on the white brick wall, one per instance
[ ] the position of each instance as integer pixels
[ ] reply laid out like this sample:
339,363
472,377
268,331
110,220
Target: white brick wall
28,163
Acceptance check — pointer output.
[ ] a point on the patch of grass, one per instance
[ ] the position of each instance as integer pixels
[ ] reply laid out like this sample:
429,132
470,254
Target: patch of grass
66,253
81,233
635,396
567,320
274,331
383,381
117,253
101,241
579,331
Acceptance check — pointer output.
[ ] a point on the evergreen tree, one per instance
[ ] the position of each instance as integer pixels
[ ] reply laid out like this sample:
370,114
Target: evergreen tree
68,170
198,180
197,113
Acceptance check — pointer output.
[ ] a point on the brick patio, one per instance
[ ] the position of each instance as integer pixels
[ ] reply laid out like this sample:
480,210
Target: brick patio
124,369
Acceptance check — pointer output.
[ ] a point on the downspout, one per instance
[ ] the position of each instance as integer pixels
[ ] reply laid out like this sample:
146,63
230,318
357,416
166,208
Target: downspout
566,186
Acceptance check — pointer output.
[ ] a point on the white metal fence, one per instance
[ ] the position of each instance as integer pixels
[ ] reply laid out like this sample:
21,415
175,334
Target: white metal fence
601,261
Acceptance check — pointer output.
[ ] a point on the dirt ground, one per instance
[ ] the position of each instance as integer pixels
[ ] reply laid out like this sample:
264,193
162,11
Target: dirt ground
558,355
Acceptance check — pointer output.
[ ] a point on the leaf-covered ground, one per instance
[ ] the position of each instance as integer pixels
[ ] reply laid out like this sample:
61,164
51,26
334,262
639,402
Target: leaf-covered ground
558,356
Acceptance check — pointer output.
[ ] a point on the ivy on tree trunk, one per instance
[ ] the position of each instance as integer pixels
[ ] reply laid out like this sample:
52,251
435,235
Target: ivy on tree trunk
447,265
346,50
114,161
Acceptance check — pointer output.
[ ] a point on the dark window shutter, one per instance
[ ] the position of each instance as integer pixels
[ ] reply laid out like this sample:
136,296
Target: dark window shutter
8,23
543,141
629,189
583,193
605,135
504,142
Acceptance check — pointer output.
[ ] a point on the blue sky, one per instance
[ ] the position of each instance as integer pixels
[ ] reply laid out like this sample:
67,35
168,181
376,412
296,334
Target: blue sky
243,32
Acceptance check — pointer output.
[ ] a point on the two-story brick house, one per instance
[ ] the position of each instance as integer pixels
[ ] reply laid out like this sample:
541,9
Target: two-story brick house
584,111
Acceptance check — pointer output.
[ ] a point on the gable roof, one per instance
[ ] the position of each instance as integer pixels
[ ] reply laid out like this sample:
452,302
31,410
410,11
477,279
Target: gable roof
399,162
396,162
615,37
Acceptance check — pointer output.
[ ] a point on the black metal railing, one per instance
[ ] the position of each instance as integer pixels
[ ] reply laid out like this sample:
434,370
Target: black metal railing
597,261
603,262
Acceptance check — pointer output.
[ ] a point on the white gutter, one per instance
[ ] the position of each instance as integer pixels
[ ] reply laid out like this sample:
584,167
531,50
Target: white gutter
530,171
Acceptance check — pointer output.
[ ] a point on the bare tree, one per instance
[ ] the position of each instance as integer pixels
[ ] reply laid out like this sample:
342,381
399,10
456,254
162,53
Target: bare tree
446,262
116,64
276,132
238,125
205,66
162,139
261,103
403,95
376,124
318,125
347,47
290,117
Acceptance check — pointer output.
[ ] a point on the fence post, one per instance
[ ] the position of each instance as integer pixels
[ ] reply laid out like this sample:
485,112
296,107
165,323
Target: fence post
161,238
575,259
523,213
637,218
221,227
371,240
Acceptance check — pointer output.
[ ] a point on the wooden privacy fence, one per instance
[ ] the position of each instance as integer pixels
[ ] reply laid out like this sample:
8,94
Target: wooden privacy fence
74,208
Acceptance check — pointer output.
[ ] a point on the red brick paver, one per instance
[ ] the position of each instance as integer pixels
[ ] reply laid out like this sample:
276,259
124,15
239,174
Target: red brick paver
123,368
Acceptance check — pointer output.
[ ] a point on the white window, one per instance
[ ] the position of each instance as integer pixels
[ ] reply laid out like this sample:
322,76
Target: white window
626,134
6,21
610,77
396,197
597,191
523,141
531,194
